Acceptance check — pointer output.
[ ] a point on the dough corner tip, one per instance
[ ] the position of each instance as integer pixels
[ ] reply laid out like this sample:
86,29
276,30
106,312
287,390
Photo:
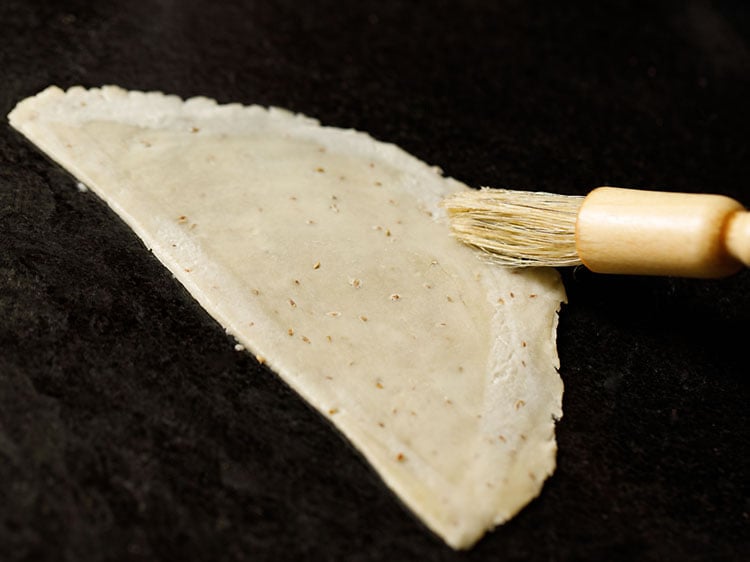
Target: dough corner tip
28,108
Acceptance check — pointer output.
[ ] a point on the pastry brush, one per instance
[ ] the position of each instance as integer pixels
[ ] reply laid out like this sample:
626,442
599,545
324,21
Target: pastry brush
612,230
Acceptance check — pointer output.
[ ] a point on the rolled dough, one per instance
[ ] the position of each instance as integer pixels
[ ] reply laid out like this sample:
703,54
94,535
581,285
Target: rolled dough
326,254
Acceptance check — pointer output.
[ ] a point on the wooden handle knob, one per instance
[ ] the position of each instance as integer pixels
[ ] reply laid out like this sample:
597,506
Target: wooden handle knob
738,237
656,233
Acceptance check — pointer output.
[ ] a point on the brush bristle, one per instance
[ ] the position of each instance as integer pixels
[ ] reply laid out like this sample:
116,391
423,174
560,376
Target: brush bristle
517,228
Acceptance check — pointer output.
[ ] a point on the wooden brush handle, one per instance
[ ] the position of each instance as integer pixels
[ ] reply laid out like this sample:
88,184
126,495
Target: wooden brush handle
655,233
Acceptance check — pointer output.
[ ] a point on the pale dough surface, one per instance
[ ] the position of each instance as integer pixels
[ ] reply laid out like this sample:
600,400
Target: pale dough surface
326,254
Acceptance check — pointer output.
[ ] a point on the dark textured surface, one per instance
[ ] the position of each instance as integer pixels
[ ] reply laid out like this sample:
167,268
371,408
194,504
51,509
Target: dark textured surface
131,429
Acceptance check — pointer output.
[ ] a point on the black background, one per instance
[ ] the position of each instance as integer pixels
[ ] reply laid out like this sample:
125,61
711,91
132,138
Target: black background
131,429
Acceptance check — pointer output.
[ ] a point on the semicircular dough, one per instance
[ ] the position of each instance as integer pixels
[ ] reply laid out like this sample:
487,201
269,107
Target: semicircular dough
326,254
